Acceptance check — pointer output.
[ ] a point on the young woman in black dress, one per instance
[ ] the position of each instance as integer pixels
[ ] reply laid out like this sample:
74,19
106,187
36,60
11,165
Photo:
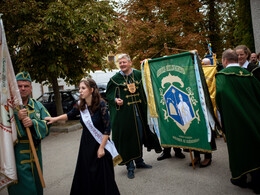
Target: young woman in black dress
94,172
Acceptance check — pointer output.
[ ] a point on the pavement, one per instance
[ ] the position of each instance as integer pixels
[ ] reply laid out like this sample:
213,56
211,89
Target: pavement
170,176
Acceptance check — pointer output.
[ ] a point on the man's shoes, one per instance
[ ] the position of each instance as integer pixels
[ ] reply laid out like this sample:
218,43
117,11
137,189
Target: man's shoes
196,161
205,165
179,155
239,182
164,156
143,166
130,174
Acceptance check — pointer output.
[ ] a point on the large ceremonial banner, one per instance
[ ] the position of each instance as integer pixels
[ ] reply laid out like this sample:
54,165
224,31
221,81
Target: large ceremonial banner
179,101
9,98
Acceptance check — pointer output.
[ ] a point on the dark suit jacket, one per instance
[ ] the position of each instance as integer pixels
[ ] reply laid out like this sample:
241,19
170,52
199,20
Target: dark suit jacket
254,69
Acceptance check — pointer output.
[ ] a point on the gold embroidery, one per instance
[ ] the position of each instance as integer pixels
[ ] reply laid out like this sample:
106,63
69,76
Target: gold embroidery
127,96
27,161
25,151
131,87
138,101
24,141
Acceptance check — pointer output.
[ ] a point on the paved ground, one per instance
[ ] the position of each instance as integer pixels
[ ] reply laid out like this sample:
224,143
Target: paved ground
170,176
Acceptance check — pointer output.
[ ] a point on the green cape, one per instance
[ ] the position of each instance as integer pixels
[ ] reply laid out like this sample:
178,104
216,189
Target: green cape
238,100
123,118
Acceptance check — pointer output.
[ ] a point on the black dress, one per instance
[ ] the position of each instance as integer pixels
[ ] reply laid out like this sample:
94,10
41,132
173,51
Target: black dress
93,175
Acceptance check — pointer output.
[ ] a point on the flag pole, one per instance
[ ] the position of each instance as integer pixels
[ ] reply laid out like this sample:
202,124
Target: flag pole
17,100
36,160
192,161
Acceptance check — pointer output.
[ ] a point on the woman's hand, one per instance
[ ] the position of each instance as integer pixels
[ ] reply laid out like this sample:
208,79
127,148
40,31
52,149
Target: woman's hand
50,119
100,152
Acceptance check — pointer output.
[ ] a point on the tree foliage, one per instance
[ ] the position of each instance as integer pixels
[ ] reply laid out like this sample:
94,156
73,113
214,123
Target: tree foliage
212,24
59,38
228,22
243,29
148,24
184,24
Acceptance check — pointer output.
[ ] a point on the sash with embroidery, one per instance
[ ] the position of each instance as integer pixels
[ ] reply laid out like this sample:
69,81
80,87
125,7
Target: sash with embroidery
110,146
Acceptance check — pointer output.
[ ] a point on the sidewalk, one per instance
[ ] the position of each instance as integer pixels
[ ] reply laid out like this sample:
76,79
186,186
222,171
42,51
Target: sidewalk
66,127
170,176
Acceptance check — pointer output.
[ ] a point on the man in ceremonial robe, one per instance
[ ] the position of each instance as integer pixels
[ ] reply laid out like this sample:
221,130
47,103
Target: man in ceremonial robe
128,111
31,116
237,98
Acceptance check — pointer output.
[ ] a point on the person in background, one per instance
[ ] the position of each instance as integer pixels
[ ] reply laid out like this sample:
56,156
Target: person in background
244,54
206,61
167,153
128,111
94,172
254,60
237,98
31,116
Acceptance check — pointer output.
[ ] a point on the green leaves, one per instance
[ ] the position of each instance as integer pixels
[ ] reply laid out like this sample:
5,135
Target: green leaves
60,38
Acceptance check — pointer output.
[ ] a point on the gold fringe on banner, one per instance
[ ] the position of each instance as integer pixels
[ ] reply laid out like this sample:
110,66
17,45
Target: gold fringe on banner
149,89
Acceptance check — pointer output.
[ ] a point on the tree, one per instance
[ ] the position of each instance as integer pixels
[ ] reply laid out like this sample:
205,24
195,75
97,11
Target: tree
243,29
228,14
59,39
212,24
148,24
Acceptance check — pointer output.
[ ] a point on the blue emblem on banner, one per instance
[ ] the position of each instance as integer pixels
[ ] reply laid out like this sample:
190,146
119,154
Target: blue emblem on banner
178,105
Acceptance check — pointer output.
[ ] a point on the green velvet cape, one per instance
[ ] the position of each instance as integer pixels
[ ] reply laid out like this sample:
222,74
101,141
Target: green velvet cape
238,100
125,132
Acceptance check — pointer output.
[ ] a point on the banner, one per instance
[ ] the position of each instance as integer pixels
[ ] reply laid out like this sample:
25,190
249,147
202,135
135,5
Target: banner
9,98
209,72
180,102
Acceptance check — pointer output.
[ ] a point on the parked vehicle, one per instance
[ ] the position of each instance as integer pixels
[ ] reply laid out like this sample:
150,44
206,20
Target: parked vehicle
102,90
69,98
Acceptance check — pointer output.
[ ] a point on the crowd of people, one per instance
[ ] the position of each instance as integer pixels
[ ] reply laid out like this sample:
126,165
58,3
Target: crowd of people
237,99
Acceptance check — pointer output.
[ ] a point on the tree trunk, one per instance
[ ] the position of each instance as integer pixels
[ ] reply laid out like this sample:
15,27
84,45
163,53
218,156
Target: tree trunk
57,96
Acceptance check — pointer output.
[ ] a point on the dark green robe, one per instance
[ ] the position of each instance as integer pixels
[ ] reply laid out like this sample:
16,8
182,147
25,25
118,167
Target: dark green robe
238,100
28,179
123,118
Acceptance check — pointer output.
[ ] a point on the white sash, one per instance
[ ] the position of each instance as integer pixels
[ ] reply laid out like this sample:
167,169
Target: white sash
110,146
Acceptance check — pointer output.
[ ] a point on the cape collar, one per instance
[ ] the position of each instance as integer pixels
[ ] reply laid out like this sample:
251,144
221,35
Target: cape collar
30,103
122,73
232,65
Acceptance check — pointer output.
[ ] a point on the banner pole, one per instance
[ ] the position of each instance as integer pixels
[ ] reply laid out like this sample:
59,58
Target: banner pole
192,161
35,156
166,49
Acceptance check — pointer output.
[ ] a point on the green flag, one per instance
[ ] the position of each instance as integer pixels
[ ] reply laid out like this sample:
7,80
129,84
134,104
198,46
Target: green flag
180,102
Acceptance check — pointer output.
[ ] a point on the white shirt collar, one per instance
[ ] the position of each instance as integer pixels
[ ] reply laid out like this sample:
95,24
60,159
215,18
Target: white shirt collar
122,73
232,65
245,64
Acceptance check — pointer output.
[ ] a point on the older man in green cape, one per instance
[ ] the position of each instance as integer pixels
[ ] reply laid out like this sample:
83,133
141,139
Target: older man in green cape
128,112
238,100
31,116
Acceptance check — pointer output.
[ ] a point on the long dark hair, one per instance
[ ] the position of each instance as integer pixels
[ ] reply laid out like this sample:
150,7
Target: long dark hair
95,103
